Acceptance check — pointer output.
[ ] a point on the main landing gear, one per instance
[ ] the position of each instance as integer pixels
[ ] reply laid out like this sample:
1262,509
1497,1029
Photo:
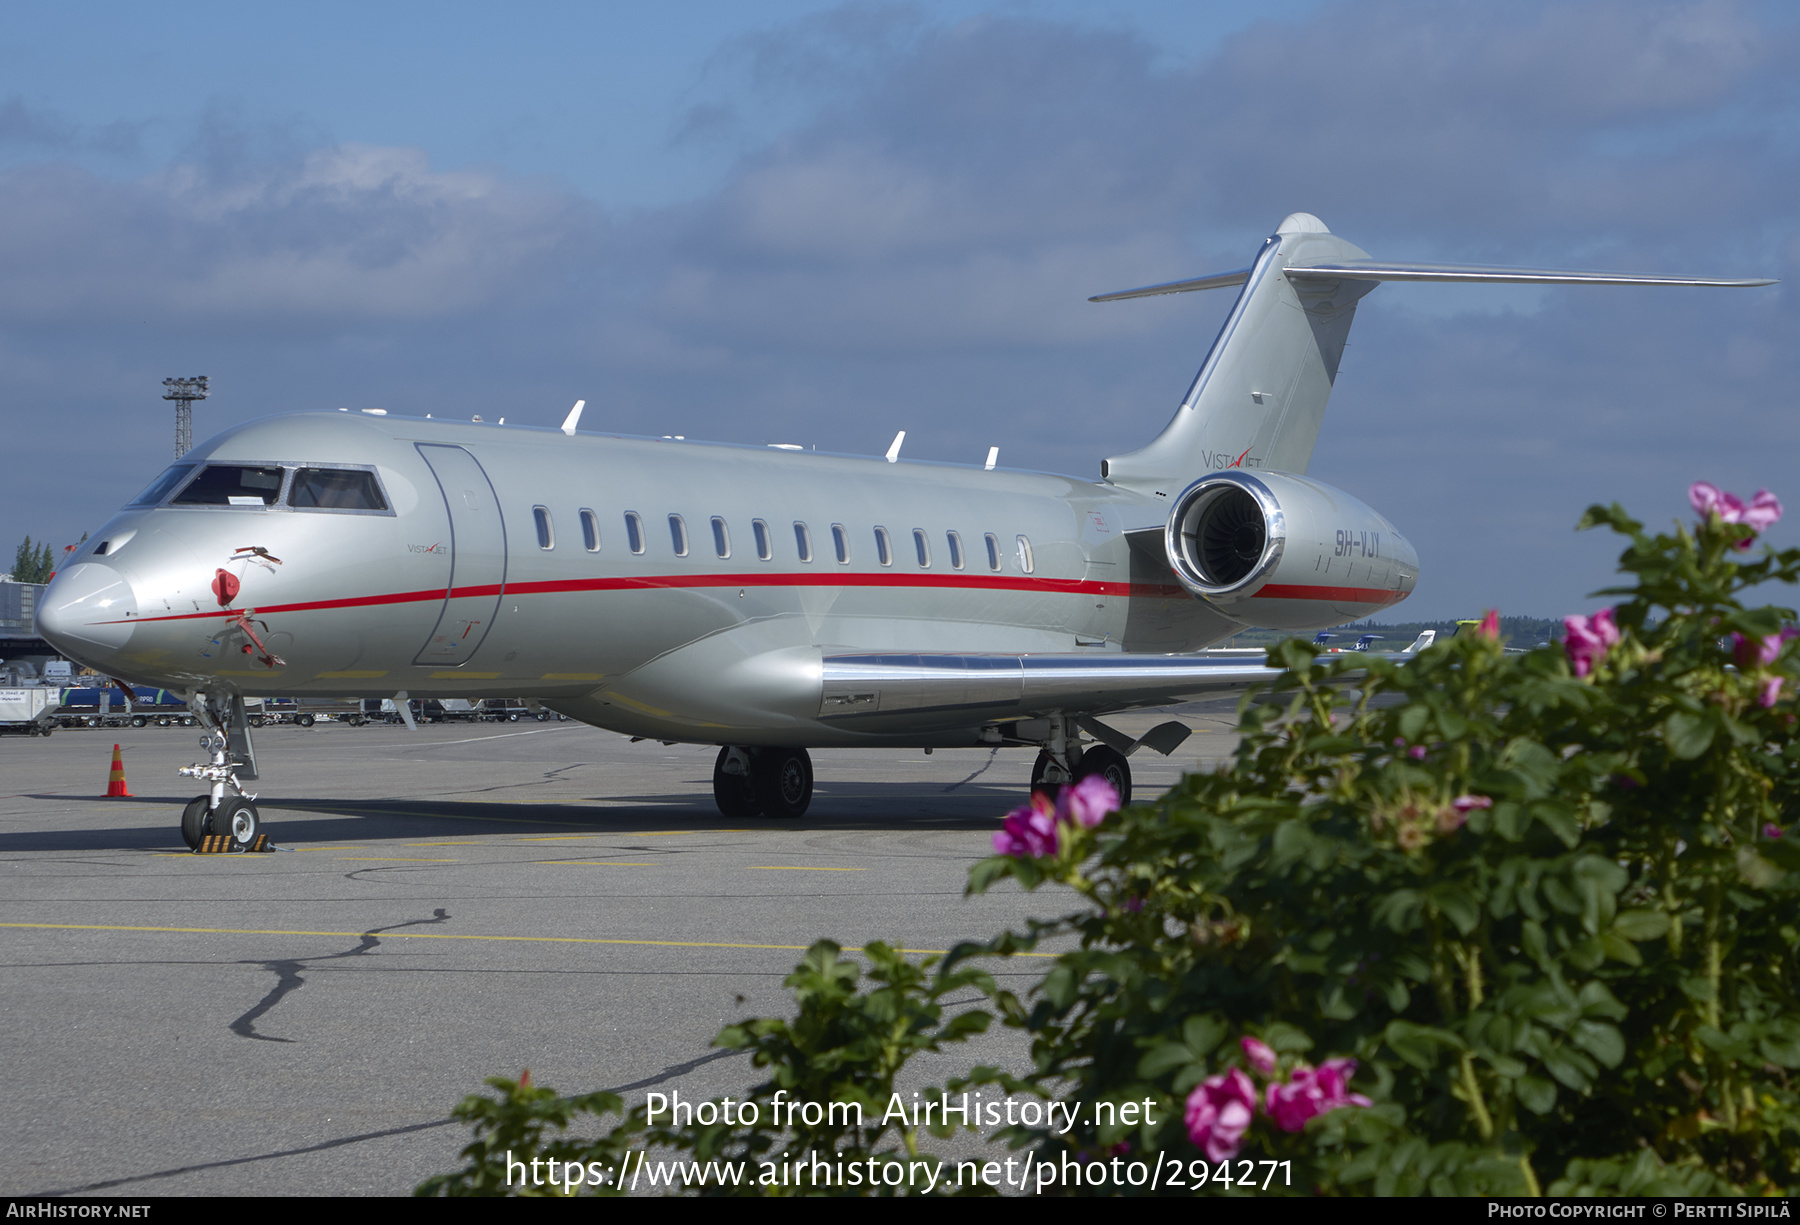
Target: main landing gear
227,810
1063,761
1050,776
758,782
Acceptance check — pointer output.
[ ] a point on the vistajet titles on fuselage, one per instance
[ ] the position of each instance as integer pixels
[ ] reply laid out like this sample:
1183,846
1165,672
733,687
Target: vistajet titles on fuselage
765,600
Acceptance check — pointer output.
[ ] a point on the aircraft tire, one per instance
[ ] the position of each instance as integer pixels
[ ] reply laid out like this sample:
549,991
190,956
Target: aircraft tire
238,820
1039,770
193,820
782,780
733,793
1111,765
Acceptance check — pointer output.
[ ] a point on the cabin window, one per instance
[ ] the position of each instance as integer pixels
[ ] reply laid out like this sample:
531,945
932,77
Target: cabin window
678,535
922,547
634,532
1025,555
546,537
884,550
765,547
721,537
802,541
590,531
232,485
956,553
993,548
840,541
159,488
335,489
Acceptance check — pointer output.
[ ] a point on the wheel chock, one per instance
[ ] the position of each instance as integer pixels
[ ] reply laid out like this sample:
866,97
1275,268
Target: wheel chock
222,844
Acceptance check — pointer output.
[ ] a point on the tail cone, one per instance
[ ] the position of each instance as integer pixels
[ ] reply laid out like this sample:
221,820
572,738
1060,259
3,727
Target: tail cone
116,784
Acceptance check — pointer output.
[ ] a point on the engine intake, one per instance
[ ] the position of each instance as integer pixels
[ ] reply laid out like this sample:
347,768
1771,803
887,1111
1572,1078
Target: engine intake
1286,552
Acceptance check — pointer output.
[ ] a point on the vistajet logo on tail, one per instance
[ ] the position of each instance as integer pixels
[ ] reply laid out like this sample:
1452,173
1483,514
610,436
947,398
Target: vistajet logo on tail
425,548
1219,459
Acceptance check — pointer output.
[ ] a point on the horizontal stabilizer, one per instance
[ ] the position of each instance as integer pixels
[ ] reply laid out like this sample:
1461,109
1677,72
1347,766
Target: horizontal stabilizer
1381,270
1476,274
1219,280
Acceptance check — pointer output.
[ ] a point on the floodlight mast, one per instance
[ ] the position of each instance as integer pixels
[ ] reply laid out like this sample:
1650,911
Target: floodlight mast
184,392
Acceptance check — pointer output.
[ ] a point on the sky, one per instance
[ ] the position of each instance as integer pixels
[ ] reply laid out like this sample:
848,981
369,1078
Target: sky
790,221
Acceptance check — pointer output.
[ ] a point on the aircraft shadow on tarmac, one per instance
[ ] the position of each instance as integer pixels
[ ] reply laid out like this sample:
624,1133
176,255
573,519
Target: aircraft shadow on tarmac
867,806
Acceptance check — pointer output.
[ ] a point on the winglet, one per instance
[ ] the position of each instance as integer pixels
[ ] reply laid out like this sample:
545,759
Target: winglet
569,422
893,451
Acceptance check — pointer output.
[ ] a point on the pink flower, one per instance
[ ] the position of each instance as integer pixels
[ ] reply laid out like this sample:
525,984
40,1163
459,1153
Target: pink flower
1261,1057
1771,692
1465,803
1490,625
1417,752
1088,801
1762,513
1028,831
1219,1111
1588,639
1311,1093
1749,652
1772,830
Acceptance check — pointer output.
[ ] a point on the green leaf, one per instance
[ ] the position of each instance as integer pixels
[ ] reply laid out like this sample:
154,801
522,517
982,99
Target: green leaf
1687,734
1455,903
1641,924
1537,1094
1757,872
1603,1042
1202,1033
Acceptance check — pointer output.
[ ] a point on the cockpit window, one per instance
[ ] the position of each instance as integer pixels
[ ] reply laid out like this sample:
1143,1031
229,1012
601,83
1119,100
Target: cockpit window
335,489
159,488
232,485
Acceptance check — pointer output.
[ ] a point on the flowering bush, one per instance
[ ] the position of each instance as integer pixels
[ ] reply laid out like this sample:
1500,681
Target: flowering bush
1484,923
1534,910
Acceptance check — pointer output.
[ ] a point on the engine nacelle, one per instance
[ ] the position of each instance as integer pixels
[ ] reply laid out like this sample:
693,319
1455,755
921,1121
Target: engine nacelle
1286,552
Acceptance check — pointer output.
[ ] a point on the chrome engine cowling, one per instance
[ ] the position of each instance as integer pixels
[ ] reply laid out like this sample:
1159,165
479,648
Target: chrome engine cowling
1286,552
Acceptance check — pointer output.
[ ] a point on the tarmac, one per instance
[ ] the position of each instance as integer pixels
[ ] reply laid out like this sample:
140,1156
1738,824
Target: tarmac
459,902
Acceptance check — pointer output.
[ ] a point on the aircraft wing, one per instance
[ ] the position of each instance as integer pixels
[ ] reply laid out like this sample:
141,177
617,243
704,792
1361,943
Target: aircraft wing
880,689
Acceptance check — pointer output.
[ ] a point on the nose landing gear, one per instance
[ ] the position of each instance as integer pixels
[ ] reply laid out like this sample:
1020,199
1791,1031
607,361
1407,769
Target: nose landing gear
227,811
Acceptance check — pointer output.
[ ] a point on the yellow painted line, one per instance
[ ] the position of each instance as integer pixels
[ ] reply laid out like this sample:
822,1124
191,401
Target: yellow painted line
305,849
346,848
786,868
389,859
351,676
473,676
589,863
242,931
573,676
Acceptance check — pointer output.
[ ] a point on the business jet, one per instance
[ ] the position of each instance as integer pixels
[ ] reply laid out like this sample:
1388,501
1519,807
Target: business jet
766,600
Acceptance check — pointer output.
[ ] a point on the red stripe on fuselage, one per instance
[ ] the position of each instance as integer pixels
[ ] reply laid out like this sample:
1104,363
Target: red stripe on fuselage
824,578
1345,595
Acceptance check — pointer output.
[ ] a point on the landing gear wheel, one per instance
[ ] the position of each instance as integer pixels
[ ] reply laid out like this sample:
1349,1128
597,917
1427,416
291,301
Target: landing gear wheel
1040,771
1109,764
193,820
782,780
733,793
303,720
238,820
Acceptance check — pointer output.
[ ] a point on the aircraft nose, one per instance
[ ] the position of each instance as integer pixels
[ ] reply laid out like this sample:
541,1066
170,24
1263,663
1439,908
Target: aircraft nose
86,608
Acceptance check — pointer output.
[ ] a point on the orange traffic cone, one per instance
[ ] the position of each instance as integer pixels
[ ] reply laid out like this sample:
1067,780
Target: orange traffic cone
116,784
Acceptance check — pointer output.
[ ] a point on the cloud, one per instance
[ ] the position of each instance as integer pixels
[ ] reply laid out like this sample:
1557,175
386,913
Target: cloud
333,239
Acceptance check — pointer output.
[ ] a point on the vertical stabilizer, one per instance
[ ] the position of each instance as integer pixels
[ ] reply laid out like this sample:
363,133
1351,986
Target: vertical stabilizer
1260,395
